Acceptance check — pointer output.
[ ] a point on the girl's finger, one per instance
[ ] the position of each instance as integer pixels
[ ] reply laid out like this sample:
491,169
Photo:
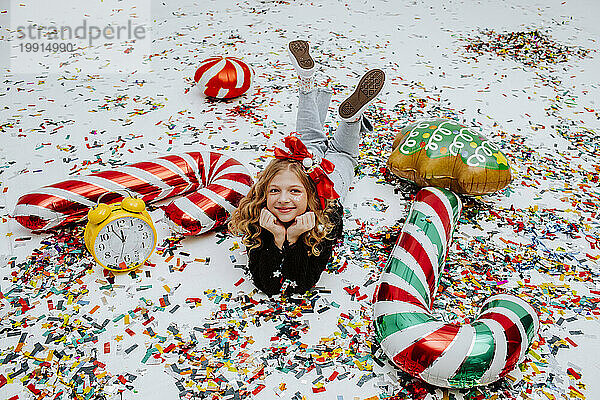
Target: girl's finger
263,214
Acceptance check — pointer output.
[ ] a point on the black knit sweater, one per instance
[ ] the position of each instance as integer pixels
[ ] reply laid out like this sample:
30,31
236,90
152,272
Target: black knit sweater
271,267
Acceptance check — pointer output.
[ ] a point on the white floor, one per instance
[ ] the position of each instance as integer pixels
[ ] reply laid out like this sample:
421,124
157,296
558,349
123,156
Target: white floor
62,112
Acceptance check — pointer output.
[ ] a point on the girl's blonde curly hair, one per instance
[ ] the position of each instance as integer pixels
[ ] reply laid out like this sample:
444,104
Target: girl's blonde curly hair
245,219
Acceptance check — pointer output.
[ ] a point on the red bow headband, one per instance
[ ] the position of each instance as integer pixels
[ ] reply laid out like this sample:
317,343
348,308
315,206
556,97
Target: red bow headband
317,169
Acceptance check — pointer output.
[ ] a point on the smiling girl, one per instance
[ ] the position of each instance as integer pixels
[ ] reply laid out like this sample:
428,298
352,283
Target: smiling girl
292,216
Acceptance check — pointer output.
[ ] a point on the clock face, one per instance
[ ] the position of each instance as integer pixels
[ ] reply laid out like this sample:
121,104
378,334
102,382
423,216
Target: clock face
124,243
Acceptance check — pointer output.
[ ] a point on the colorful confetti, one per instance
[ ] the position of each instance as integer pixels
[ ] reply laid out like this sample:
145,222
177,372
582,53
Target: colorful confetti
189,324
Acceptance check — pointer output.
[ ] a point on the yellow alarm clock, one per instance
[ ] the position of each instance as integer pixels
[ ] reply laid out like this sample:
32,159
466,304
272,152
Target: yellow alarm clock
120,236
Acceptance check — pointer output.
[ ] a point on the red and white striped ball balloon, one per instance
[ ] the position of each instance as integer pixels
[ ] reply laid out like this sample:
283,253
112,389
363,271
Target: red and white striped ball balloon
224,77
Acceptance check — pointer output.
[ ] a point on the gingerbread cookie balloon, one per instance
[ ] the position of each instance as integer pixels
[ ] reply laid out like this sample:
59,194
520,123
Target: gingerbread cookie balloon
443,153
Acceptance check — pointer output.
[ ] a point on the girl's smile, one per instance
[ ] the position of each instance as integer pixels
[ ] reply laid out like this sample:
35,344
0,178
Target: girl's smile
286,196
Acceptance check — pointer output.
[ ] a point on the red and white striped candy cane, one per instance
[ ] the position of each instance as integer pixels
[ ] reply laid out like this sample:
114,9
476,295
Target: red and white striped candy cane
224,77
443,354
224,183
214,184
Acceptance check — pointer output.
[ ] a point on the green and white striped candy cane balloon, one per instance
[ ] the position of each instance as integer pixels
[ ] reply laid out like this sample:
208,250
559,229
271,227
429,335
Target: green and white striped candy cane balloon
443,354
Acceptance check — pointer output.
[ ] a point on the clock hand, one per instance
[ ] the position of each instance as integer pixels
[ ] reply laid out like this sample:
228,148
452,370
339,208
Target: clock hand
122,248
119,236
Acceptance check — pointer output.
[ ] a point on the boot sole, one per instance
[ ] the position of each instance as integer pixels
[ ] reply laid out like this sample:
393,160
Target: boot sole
299,49
367,89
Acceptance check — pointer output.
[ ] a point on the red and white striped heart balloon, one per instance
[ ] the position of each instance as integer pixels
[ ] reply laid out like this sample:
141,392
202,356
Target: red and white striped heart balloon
224,77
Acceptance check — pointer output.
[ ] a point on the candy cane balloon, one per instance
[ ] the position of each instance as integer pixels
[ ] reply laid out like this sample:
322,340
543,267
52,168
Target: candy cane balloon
443,354
214,185
224,77
224,182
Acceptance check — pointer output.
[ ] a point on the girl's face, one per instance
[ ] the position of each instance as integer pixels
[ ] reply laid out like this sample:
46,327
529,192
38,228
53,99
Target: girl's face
286,196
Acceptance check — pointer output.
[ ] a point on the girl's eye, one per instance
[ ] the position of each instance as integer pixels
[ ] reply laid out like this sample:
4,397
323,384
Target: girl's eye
273,191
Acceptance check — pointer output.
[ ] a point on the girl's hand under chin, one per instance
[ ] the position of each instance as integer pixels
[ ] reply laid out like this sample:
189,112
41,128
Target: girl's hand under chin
302,223
268,221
